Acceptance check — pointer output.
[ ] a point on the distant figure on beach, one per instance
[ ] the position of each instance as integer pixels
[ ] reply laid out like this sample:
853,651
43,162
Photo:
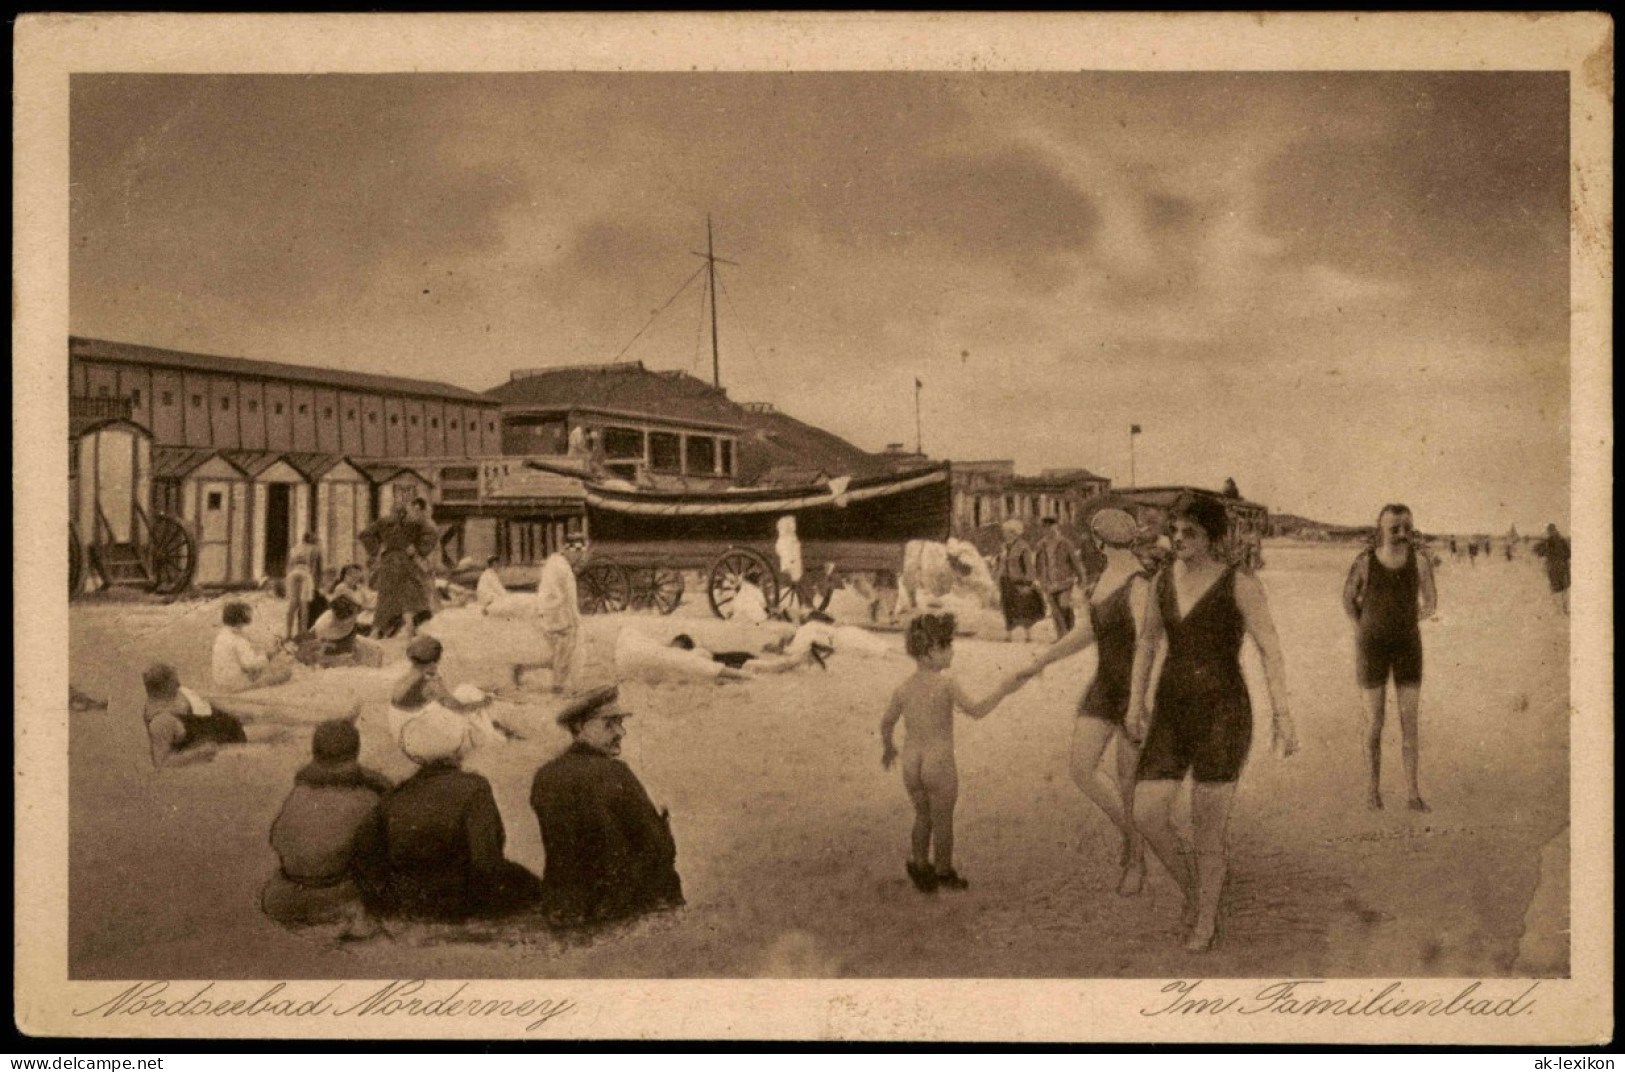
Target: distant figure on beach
558,615
1019,597
1059,569
1453,549
399,543
925,704
1472,550
1116,608
303,575
434,847
1389,591
490,588
1201,610
610,854
1557,551
237,663
182,727
315,836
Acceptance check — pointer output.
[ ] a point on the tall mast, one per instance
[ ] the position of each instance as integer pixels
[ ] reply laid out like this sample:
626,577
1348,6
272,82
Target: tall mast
711,266
711,262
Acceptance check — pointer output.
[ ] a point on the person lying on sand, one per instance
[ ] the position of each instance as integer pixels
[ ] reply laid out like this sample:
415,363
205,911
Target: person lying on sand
925,704
182,727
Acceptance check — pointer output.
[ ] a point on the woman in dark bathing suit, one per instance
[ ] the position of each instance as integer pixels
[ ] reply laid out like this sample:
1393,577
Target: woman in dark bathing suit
1201,610
1116,606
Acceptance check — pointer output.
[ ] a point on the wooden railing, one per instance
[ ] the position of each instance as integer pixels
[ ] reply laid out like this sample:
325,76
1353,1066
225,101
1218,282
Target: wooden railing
100,408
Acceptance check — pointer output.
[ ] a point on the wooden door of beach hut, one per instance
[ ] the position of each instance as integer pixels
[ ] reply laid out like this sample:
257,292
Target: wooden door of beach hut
279,510
211,496
342,496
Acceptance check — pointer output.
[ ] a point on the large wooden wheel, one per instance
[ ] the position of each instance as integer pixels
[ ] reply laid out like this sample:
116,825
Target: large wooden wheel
733,568
603,588
172,558
76,561
818,592
665,590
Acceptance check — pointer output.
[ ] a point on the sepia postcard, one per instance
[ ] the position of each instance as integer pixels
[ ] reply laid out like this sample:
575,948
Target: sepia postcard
846,527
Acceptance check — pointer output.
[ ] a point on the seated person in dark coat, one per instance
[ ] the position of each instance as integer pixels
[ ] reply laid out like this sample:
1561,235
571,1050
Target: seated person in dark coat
610,854
434,848
315,834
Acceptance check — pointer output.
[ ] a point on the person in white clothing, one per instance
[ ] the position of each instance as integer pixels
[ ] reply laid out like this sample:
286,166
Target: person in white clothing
238,664
559,614
490,587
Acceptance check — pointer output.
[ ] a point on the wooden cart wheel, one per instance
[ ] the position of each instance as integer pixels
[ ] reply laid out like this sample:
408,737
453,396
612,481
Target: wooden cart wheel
76,561
172,556
821,589
734,567
666,590
603,588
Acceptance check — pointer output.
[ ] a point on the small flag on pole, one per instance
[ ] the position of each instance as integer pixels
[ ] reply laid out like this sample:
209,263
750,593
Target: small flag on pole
1133,429
917,383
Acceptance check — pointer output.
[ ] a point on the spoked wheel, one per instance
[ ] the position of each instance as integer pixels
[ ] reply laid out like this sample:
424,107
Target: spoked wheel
813,594
734,568
603,588
173,558
665,590
76,562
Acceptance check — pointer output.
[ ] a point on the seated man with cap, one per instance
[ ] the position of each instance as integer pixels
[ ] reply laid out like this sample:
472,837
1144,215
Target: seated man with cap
434,848
610,854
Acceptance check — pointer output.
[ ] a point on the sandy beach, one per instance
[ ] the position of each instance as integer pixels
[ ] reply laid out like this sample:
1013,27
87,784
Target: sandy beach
791,838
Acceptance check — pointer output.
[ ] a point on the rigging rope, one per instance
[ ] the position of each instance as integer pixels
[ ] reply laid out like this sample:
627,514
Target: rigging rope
750,343
655,315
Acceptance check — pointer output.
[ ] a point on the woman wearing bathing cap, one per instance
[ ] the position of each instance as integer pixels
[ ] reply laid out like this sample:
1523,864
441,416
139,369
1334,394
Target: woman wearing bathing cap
1016,570
1116,609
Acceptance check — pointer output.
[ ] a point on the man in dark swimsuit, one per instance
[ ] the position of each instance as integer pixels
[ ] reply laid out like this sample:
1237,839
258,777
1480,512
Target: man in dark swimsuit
1388,592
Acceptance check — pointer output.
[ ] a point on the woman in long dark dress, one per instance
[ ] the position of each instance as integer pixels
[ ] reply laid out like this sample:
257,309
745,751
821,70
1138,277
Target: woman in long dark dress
1202,728
399,542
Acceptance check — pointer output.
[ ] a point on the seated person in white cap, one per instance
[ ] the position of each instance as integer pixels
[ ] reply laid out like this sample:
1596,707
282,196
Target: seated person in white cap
433,850
610,854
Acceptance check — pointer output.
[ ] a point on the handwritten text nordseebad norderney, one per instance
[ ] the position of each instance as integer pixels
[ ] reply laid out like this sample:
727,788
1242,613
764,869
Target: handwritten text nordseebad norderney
403,997
1311,997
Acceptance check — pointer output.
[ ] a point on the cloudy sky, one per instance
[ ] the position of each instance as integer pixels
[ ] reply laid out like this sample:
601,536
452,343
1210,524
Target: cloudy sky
1339,289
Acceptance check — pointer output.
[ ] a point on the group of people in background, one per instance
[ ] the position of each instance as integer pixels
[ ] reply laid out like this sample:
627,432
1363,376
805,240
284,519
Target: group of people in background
354,849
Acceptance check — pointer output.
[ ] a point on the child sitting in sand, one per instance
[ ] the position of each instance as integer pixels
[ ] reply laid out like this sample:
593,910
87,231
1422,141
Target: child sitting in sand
181,726
925,703
238,664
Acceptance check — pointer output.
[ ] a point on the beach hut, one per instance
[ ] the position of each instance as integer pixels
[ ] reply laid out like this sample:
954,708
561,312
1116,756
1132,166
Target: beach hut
278,509
395,485
211,496
341,495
